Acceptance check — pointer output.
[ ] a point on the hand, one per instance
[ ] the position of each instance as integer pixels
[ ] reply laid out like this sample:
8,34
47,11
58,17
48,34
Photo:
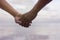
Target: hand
22,20
31,15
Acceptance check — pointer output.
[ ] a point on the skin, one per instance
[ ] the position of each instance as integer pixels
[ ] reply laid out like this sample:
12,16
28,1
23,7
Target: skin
24,19
19,18
34,11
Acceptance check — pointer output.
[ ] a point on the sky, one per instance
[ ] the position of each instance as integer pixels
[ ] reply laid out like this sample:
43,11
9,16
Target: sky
47,22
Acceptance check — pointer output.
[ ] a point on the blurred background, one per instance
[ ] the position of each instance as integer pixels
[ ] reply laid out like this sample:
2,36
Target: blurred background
46,25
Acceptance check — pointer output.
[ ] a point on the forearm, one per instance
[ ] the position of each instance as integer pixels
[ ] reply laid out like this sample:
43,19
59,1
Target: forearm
39,5
5,6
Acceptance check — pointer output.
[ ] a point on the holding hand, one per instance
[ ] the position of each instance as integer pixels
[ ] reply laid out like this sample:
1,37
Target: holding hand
22,20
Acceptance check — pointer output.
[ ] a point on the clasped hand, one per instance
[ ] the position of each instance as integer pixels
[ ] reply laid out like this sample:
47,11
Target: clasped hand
23,20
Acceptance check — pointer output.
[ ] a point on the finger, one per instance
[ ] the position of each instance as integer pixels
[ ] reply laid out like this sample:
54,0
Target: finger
19,22
27,25
22,24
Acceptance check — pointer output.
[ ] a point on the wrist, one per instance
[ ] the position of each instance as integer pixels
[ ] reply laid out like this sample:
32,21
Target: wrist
18,15
30,15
